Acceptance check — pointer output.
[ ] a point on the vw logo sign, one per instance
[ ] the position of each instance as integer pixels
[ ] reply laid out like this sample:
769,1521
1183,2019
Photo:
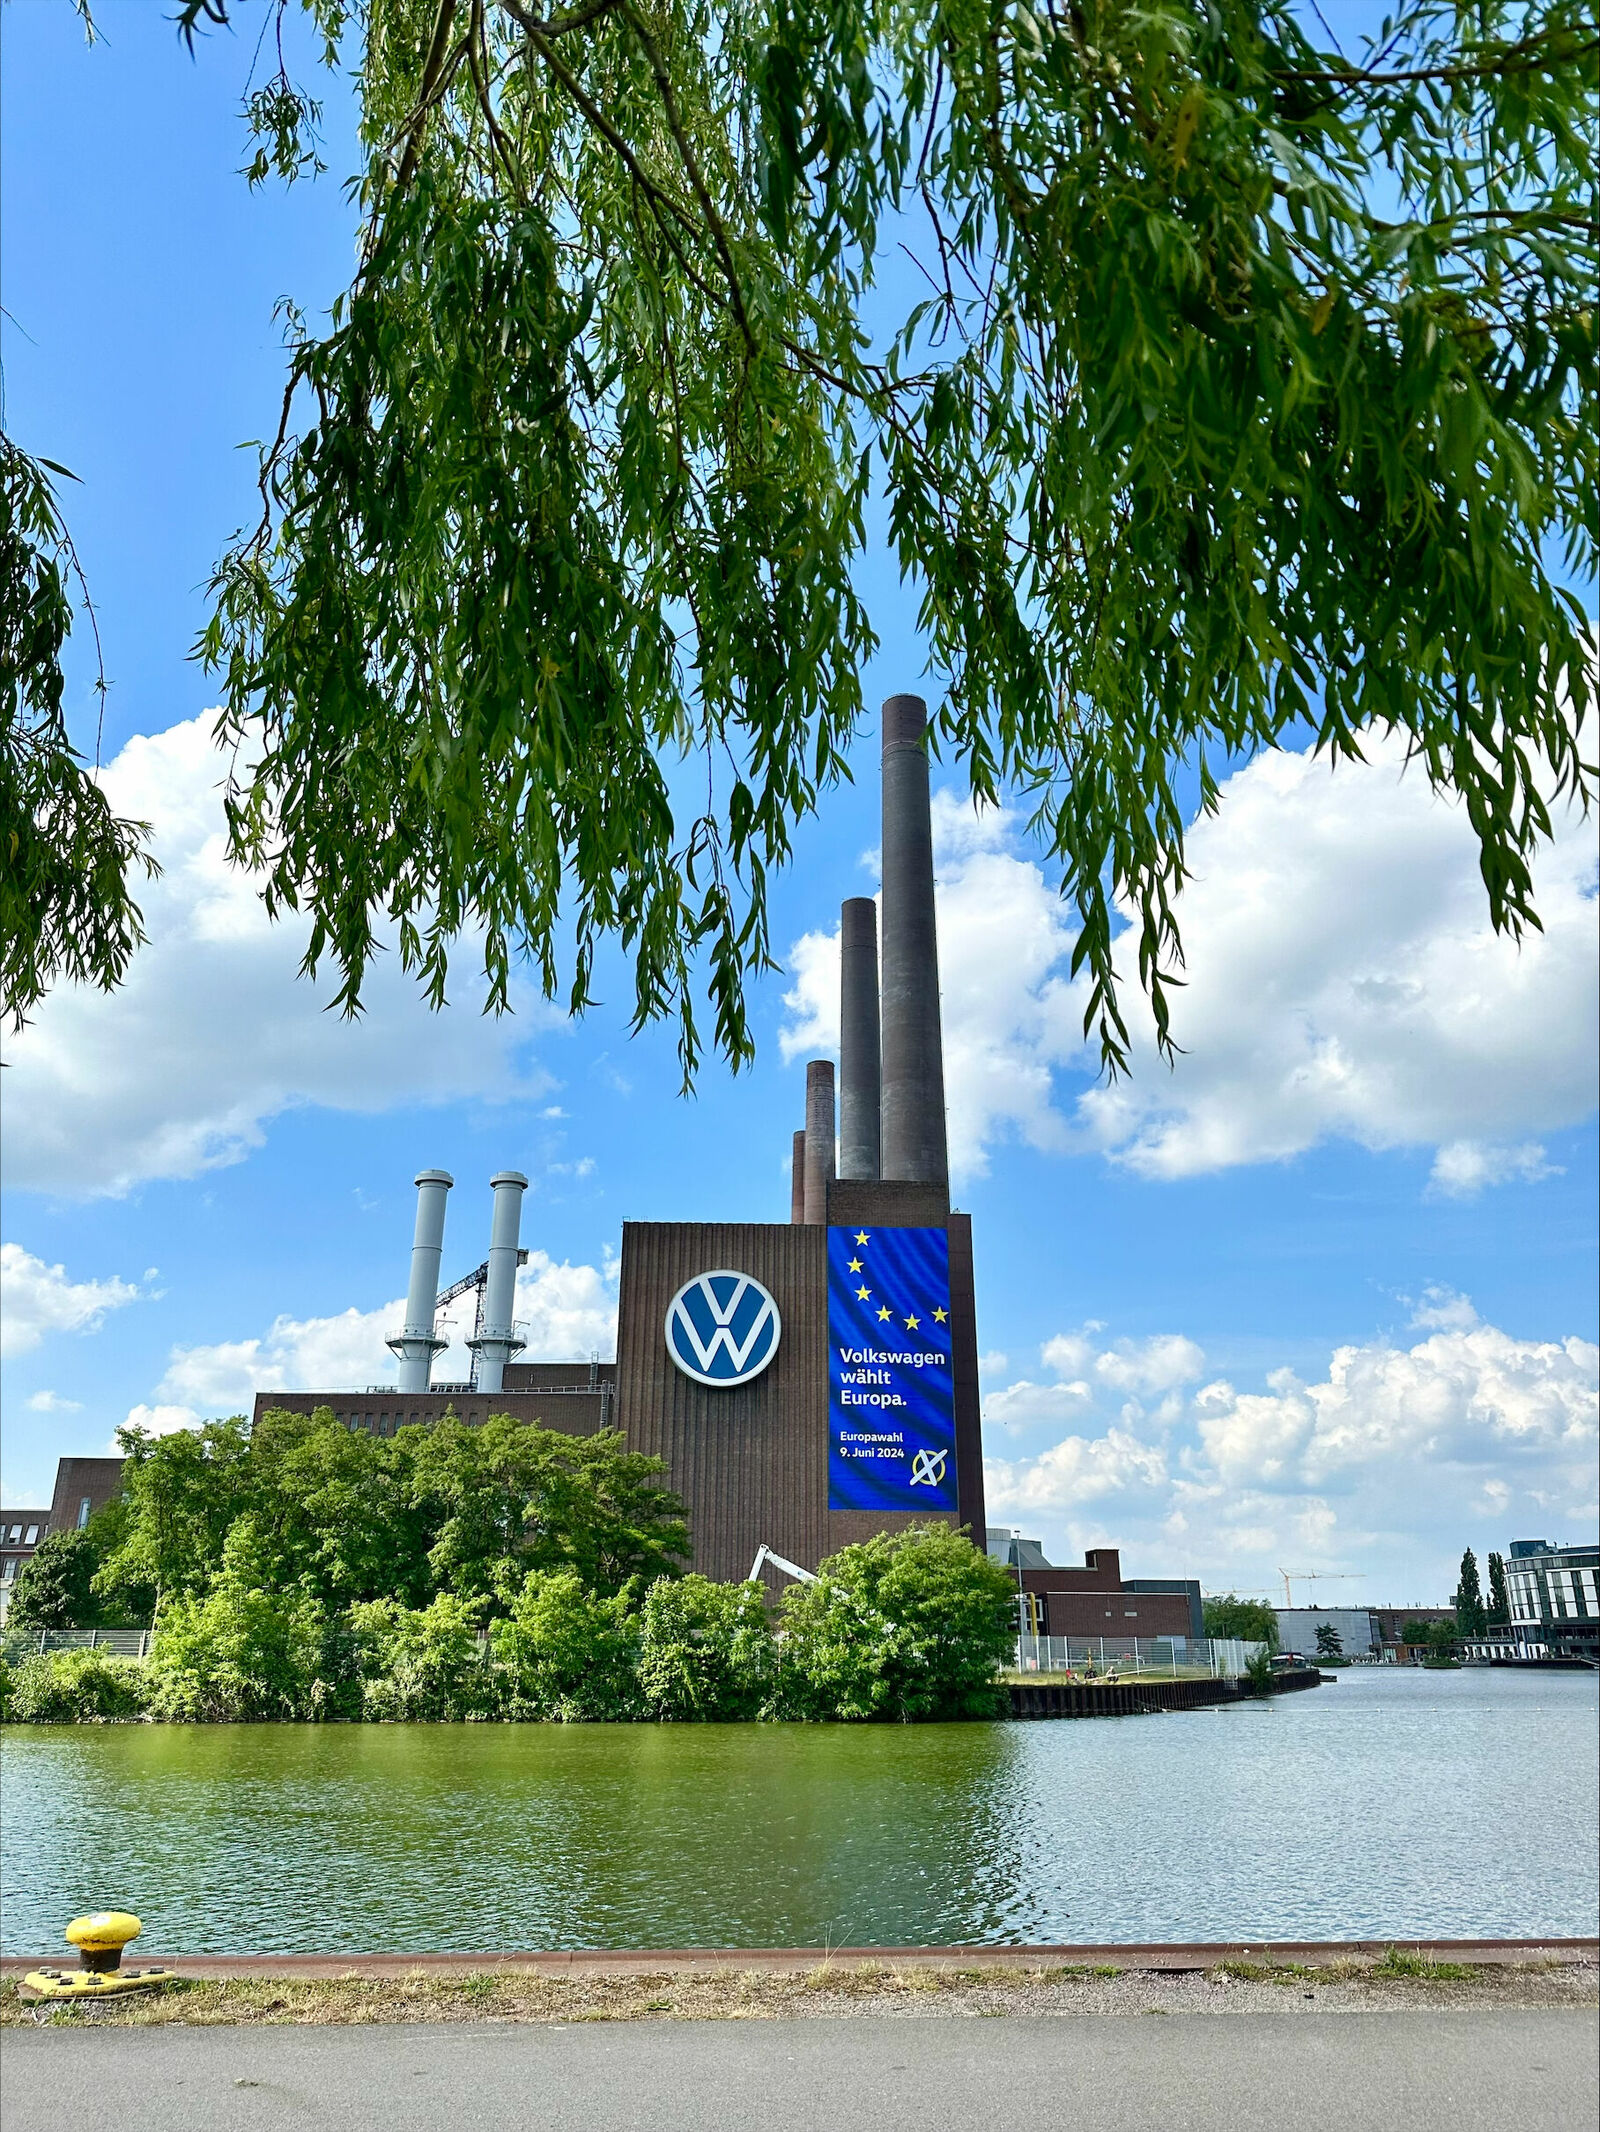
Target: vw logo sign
723,1329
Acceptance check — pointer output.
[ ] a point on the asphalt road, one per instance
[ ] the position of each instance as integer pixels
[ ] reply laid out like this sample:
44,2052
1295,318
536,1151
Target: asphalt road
1367,2072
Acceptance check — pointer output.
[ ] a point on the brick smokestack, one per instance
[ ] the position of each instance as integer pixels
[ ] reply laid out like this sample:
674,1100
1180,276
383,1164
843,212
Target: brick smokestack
860,1079
913,1130
819,1138
797,1180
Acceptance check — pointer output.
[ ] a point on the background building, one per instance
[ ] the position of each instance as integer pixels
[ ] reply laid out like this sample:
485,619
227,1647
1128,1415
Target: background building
1355,1627
1555,1610
83,1485
1097,1600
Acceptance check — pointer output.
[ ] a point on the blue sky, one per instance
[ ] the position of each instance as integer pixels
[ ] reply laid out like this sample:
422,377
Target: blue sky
1324,1297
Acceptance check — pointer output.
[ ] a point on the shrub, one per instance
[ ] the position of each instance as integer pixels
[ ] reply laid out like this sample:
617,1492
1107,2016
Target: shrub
77,1688
240,1654
424,1663
566,1653
1258,1672
907,1626
705,1650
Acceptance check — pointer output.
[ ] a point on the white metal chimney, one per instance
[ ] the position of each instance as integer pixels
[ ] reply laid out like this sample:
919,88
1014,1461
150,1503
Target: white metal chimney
416,1345
497,1342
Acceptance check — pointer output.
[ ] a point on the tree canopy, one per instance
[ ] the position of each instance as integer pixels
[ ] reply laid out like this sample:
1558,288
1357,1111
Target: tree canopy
1251,1620
1213,383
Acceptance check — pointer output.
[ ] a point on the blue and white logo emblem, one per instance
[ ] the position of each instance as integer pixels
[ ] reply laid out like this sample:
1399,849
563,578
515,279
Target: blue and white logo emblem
723,1329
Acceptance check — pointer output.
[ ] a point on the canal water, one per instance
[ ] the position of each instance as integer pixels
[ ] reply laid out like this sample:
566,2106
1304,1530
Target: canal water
1392,1805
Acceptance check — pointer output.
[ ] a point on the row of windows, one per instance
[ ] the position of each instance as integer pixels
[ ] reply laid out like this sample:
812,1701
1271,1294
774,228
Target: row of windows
1557,1594
16,1536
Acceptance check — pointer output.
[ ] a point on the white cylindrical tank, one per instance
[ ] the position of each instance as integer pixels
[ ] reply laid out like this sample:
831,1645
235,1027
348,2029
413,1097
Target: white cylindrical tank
497,1343
416,1345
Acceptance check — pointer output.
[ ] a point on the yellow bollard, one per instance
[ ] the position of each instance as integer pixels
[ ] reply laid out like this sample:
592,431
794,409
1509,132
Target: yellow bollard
99,1939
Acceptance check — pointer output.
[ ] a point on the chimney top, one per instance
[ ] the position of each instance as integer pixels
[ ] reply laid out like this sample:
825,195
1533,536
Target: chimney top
905,720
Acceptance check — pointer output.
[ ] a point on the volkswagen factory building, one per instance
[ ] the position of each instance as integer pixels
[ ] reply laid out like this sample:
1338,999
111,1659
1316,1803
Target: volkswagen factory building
806,1383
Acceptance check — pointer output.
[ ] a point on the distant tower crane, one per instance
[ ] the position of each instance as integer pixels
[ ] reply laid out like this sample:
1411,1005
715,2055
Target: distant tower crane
478,1279
1314,1577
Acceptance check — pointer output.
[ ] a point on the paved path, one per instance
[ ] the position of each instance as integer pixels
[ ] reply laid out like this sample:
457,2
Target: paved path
1381,2072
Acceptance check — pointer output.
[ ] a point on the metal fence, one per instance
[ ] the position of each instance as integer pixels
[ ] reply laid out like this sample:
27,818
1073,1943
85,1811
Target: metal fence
1136,1657
30,1643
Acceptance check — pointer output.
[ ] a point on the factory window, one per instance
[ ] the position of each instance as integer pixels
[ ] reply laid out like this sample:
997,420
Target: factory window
83,1513
32,1536
15,1533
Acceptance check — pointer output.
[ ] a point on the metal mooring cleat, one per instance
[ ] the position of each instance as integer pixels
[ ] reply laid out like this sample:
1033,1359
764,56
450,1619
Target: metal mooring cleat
99,1939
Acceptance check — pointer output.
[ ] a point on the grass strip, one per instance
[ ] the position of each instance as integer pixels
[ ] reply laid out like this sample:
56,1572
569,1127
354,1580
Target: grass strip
830,1987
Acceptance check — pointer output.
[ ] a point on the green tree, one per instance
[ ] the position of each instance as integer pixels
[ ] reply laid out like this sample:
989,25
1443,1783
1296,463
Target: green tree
53,1586
61,1586
705,1650
1250,1620
1499,1597
1471,1617
906,1626
183,1492
567,1653
66,860
1438,1636
1330,1644
239,1653
335,1511
504,1498
1247,387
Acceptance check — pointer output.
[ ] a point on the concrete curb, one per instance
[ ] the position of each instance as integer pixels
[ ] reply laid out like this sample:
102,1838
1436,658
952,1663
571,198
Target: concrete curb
779,1961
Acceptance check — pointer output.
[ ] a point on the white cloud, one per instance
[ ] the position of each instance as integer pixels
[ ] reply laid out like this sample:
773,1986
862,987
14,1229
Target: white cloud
214,1033
53,1403
1386,1466
565,1312
1462,1168
36,1300
1085,1368
1342,980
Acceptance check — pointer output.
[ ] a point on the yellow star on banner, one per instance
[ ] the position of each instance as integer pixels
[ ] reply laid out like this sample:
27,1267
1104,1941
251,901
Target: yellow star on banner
885,1312
913,1325
939,1316
863,1295
855,1265
861,1236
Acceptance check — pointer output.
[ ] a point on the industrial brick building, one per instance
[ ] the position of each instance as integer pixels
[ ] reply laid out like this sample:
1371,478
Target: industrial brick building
807,1383
1097,1601
83,1486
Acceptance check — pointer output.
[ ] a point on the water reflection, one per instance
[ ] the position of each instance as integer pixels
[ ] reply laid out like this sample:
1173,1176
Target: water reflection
1389,1806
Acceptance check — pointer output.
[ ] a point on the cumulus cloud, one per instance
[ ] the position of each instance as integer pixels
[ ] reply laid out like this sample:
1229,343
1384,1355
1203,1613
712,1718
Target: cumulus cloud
1462,1168
1086,1370
565,1312
53,1403
214,1034
36,1300
1342,980
1385,1466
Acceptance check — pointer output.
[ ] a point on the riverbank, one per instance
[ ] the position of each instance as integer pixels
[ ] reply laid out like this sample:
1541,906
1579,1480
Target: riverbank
778,1984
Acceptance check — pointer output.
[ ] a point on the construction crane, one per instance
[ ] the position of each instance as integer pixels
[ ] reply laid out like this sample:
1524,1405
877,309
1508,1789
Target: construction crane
478,1279
1314,1577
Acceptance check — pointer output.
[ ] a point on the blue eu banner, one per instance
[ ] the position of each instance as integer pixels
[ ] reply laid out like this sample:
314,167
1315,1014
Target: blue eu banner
891,1389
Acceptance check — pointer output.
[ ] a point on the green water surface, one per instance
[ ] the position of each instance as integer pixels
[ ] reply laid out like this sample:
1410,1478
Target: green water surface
1389,1806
